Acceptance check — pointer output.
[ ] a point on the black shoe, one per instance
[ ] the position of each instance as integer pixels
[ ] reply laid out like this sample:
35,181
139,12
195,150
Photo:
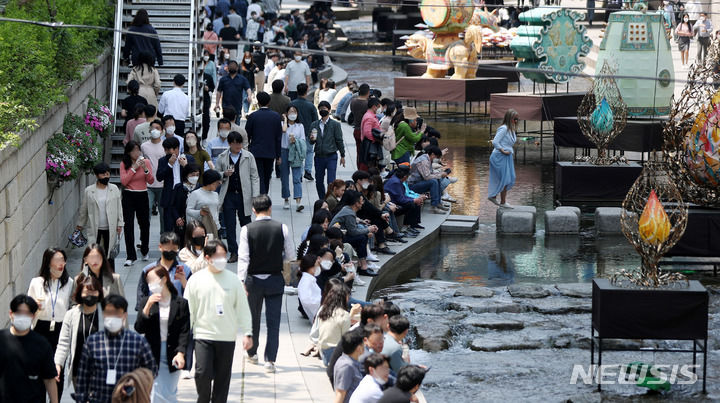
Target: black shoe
395,238
385,251
154,211
368,273
233,258
308,176
412,234
418,226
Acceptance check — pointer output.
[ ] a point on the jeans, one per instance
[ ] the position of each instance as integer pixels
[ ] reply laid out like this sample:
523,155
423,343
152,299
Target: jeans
269,290
431,185
309,153
444,183
404,158
233,205
265,169
297,172
245,107
323,164
154,198
134,203
213,362
327,354
165,384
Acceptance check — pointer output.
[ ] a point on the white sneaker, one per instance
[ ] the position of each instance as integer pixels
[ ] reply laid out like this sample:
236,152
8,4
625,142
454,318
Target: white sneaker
128,263
359,281
446,197
186,375
453,179
373,266
286,206
506,205
253,359
371,257
494,201
145,258
270,367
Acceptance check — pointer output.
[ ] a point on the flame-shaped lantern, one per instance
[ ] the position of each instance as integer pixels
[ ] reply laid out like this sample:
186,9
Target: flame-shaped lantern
654,225
602,117
702,145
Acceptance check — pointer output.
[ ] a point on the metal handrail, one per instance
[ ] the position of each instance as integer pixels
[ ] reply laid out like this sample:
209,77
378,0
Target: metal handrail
117,45
191,61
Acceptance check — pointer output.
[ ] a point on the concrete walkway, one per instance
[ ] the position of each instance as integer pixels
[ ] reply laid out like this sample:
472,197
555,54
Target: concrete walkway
298,378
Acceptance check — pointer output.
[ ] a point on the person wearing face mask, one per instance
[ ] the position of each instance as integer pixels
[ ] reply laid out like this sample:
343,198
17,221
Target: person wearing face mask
248,69
232,90
217,145
135,174
265,131
176,103
170,130
142,131
293,150
101,211
684,33
27,372
171,172
209,78
165,323
326,136
296,72
703,28
153,150
202,157
203,203
192,254
377,374
279,102
179,272
309,293
218,309
78,324
307,114
111,353
369,122
51,290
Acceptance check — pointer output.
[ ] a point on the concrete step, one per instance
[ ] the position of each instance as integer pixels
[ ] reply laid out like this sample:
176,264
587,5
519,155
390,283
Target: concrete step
458,227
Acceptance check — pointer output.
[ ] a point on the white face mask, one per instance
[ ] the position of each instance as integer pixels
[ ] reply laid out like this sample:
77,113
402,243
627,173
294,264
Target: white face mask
191,143
155,288
113,324
292,116
206,58
247,61
325,264
686,19
365,185
218,264
21,322
193,179
156,134
223,133
298,58
170,130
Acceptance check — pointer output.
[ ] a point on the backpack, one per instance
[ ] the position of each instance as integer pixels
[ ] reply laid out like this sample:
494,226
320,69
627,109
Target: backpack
389,141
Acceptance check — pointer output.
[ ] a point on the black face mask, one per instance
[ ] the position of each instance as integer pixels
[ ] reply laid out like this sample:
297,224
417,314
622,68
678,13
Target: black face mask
169,254
199,240
232,71
104,181
324,112
90,300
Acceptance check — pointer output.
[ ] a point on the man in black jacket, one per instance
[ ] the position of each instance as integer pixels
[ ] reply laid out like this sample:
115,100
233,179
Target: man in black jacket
169,171
326,135
264,130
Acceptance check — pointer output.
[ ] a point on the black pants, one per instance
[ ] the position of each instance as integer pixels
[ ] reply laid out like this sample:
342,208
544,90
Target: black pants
359,243
180,128
411,212
213,370
103,238
269,290
42,327
136,203
205,116
265,169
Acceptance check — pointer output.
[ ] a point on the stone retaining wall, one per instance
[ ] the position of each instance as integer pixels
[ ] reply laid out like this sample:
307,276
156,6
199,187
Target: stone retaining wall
28,223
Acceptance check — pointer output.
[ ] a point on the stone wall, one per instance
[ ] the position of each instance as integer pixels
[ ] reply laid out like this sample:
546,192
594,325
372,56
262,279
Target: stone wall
28,223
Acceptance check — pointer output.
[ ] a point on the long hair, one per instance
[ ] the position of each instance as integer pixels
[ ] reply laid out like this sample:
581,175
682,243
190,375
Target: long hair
337,183
335,297
314,229
146,59
89,282
163,273
141,18
189,229
129,147
509,119
45,267
105,270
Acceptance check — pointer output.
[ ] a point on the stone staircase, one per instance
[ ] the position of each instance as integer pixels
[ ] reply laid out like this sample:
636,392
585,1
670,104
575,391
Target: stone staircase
176,24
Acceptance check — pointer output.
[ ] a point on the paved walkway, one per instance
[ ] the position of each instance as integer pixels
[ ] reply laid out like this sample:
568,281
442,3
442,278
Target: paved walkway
297,378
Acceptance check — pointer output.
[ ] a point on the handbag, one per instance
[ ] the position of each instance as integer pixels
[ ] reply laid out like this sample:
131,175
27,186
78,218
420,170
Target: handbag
77,239
115,250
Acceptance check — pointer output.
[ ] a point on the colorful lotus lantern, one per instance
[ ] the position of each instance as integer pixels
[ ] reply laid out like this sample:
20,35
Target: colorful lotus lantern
602,117
654,224
702,145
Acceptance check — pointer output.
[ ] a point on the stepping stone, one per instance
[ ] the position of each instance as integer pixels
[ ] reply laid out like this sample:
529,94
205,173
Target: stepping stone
575,290
518,223
502,211
495,322
475,292
458,227
432,336
607,220
464,218
495,343
561,222
572,209
527,291
560,306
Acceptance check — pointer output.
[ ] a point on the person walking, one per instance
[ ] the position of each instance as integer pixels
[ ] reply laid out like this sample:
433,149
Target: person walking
293,149
326,136
195,237
232,89
296,72
78,324
265,245
248,70
137,117
210,36
170,131
134,176
358,107
142,131
209,74
203,204
265,132
95,264
218,307
703,28
145,73
278,101
369,123
307,114
176,103
684,33
111,353
101,211
148,41
153,151
502,168
169,171
240,184
165,323
27,372
202,157
229,36
51,290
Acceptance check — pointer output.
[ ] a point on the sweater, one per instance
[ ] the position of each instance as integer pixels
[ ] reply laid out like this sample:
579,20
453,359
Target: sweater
218,306
347,219
138,180
409,138
200,198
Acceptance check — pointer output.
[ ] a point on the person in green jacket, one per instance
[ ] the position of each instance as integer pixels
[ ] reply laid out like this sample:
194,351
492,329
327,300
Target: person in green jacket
406,135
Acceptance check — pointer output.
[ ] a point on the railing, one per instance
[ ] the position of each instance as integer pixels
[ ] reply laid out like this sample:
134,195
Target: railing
192,60
117,48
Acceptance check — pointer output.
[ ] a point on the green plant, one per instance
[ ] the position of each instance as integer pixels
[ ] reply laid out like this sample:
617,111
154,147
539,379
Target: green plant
61,157
84,140
13,121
